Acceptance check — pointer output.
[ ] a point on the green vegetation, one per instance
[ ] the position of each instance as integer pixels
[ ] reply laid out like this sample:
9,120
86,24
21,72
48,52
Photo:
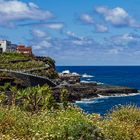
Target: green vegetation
39,116
122,124
50,73
35,113
70,124
34,65
17,61
12,57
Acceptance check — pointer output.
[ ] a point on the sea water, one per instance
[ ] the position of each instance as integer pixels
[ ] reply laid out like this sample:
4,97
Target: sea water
113,75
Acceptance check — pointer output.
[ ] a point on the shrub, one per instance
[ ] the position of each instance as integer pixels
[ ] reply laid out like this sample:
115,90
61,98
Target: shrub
122,124
37,98
70,124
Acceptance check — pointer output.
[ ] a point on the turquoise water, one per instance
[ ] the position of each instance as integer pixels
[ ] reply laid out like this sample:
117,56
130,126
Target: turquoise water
113,75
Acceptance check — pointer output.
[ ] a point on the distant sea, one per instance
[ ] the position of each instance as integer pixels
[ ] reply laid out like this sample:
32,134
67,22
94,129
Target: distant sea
112,75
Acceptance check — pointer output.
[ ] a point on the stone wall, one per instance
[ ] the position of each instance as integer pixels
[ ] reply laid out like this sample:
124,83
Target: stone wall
30,80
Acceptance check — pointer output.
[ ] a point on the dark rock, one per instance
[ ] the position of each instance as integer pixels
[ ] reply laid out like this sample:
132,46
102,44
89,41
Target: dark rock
90,90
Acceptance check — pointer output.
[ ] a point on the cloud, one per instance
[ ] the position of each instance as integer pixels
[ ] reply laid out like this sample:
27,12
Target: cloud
115,51
55,25
125,39
38,33
42,45
78,40
75,49
40,40
86,18
117,16
15,10
50,25
73,35
101,28
43,41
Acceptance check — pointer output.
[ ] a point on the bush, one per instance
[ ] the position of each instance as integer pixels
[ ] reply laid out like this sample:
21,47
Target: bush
122,124
70,124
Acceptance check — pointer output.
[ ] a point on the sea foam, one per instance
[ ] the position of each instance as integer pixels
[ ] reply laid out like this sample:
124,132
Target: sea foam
87,76
100,97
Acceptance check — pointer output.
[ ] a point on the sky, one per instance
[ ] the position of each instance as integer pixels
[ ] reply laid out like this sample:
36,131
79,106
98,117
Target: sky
75,32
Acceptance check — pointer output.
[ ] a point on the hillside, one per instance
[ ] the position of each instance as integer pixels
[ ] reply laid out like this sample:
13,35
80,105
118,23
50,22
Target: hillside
41,66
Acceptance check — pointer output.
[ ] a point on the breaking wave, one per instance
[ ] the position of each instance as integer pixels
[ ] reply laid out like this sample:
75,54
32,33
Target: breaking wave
87,76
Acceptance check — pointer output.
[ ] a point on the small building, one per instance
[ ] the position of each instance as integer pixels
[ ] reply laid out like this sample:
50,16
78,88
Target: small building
7,46
24,50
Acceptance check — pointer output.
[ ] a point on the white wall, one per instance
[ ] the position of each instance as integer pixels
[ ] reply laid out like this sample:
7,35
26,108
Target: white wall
5,45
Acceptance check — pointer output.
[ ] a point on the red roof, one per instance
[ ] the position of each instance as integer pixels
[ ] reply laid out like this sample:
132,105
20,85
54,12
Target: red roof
23,49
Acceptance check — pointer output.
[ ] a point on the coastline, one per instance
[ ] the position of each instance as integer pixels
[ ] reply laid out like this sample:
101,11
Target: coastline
92,82
88,101
89,91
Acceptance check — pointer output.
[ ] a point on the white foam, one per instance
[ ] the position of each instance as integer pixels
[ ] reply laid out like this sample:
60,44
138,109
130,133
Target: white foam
89,101
100,83
95,100
65,72
118,95
88,79
84,81
87,76
74,73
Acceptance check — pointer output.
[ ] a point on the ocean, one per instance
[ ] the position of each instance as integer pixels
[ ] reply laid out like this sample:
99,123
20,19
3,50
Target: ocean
112,75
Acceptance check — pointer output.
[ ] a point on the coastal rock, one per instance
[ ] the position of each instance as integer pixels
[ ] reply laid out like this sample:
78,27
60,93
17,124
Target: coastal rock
91,90
71,78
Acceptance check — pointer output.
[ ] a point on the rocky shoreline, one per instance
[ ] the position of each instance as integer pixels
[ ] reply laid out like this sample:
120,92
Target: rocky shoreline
79,91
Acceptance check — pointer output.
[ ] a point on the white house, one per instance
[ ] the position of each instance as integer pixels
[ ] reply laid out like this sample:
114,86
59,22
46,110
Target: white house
7,46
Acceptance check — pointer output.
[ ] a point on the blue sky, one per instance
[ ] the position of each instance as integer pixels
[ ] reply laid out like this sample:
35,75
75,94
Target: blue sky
75,32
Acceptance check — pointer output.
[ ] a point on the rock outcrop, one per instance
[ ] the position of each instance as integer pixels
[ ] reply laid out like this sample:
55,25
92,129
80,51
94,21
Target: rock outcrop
90,90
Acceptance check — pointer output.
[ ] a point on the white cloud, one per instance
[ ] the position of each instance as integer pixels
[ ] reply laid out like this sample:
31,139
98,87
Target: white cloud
38,33
15,10
86,18
124,39
41,40
42,45
82,42
73,35
55,26
101,28
76,40
115,50
117,16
